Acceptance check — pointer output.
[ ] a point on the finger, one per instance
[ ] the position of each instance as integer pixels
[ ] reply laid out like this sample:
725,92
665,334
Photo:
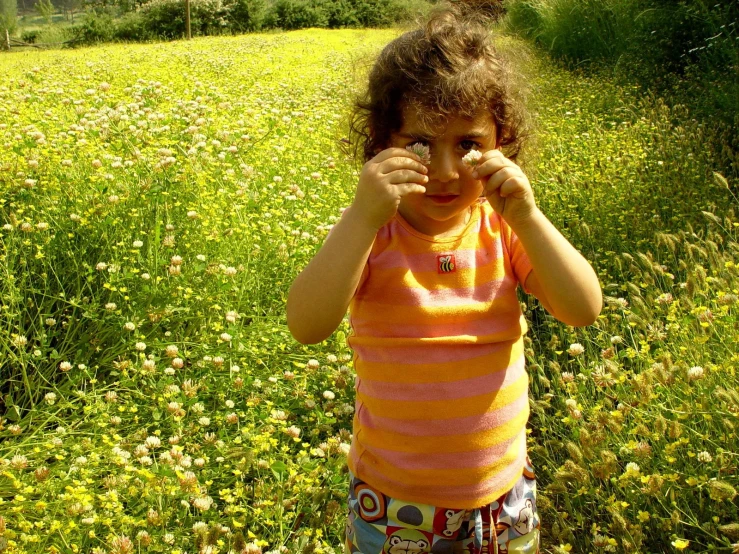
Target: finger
498,178
396,153
491,162
510,187
410,188
401,176
398,162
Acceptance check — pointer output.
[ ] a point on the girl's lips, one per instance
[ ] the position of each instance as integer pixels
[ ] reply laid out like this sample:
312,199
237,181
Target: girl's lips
445,199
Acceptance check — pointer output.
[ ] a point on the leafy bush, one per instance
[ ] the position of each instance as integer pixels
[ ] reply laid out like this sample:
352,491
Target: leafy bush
683,49
31,36
300,14
246,15
131,27
95,29
166,18
289,14
55,35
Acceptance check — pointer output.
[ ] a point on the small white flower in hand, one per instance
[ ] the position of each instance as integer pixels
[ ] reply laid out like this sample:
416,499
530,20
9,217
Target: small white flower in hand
420,150
472,157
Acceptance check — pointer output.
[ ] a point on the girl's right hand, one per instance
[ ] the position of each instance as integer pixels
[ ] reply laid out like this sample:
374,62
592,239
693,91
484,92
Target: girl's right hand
384,181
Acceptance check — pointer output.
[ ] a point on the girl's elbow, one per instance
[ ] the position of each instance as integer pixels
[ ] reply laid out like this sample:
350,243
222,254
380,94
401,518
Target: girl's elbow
305,332
588,316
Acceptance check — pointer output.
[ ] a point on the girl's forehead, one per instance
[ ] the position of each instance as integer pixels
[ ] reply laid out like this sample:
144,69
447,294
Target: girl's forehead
419,124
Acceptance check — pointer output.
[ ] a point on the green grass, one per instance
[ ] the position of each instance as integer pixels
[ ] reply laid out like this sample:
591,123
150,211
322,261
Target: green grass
159,199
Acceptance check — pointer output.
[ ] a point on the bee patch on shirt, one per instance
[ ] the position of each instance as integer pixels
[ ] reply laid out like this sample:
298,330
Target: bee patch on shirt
445,263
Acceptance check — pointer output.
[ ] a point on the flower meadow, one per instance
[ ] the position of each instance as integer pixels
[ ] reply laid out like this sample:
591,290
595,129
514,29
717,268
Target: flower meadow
157,201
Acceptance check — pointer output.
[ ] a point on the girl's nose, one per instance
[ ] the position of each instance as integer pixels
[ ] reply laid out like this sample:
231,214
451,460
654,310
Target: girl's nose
443,166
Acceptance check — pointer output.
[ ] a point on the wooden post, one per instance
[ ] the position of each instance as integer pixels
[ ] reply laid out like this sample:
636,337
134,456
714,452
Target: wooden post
7,40
187,19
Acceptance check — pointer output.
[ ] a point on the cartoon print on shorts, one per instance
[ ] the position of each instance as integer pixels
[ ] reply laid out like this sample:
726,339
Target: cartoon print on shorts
407,541
518,523
448,522
525,523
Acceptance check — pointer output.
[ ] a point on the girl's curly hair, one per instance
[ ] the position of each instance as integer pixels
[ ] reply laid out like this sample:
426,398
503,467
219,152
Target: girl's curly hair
446,68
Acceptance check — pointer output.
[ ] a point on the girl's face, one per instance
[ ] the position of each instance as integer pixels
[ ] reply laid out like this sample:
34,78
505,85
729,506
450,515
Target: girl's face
451,189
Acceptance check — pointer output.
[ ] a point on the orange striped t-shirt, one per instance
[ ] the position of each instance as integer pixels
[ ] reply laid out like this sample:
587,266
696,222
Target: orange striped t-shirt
442,392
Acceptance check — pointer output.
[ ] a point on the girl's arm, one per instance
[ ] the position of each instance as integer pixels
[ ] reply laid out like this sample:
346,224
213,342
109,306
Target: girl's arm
561,278
320,295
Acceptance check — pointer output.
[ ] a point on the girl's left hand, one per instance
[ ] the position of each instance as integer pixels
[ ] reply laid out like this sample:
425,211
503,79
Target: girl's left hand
506,187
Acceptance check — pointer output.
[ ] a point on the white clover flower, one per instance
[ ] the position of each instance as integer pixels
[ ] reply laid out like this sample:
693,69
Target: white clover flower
140,346
575,349
704,457
129,326
225,337
695,373
50,398
145,276
420,150
19,462
616,339
65,366
313,364
472,158
328,395
138,244
293,431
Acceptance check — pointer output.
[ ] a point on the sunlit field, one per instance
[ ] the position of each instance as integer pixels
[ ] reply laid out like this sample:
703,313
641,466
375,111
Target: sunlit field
157,201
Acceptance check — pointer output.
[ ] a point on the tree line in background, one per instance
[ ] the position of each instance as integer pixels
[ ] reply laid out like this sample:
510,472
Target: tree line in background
137,20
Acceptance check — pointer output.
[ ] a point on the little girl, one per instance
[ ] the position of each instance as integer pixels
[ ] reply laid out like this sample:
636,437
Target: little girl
442,230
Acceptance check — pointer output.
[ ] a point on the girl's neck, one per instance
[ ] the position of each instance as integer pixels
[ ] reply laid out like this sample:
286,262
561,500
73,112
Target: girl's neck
442,229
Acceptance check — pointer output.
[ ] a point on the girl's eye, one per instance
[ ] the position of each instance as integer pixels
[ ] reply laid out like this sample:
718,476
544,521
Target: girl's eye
469,145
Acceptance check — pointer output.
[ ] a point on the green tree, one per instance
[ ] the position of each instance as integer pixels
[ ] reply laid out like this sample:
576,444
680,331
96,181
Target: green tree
8,17
45,9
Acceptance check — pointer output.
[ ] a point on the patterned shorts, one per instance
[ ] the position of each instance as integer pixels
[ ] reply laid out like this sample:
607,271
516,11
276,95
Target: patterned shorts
378,524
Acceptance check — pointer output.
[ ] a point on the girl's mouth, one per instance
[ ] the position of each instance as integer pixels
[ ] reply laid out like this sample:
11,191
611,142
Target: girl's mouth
445,199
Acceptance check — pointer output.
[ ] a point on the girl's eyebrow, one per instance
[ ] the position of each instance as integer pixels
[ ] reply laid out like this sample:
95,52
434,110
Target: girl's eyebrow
474,135
415,136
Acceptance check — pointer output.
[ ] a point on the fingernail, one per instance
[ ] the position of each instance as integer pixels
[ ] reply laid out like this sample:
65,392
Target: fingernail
474,173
